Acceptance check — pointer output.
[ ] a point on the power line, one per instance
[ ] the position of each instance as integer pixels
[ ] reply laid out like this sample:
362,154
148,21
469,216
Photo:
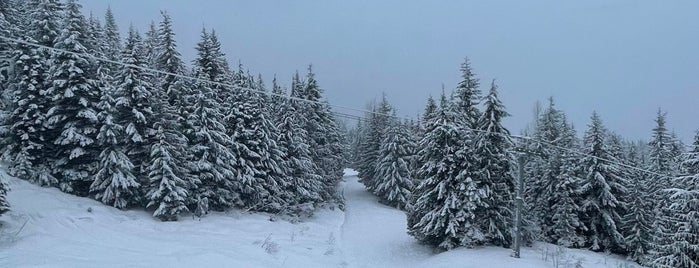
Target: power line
348,116
19,41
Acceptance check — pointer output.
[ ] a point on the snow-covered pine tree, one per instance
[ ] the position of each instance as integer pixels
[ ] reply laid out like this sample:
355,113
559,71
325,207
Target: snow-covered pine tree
394,181
443,212
44,26
635,224
29,86
168,189
567,224
6,137
168,59
150,45
603,191
379,119
210,146
325,139
219,71
277,102
111,43
680,244
430,109
661,148
134,106
552,180
8,28
356,136
333,150
171,112
496,165
466,97
660,158
210,152
261,178
23,135
73,119
305,185
114,182
95,35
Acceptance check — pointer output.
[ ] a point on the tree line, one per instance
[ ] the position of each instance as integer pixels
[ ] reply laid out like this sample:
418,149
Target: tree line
453,173
179,140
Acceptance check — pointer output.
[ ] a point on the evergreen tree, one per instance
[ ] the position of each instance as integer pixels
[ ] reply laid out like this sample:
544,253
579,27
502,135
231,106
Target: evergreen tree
150,45
660,157
603,191
6,50
45,27
679,246
210,146
376,127
73,119
210,152
261,178
169,60
95,35
114,183
496,165
430,109
171,112
28,93
356,136
168,190
636,222
394,174
24,125
277,102
305,185
325,140
111,44
444,207
134,106
467,96
552,180
661,149
8,28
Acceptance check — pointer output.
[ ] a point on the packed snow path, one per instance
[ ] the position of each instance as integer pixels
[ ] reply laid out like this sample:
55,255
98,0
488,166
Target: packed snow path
374,235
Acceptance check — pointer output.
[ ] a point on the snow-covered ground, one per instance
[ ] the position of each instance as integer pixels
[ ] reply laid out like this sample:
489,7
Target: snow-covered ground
47,228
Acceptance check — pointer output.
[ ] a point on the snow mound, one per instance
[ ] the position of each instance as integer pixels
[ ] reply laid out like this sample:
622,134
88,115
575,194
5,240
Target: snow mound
47,228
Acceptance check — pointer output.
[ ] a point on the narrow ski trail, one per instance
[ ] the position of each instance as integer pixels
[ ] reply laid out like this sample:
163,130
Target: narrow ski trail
374,235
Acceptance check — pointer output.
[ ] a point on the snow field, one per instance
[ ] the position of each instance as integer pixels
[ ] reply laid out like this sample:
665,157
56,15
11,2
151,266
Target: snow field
48,228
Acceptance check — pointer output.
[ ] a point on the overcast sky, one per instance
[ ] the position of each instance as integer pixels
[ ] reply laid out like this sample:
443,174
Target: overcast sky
622,58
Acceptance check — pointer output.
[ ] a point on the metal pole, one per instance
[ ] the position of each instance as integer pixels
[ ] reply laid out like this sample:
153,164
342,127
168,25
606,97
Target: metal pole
519,201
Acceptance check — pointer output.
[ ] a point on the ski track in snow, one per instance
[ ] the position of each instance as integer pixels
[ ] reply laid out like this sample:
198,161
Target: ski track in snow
375,235
47,228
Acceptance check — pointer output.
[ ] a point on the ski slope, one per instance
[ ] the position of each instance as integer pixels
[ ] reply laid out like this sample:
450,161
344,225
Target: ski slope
47,228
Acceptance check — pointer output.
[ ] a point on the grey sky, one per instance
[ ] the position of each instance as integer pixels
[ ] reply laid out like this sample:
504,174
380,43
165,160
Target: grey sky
622,58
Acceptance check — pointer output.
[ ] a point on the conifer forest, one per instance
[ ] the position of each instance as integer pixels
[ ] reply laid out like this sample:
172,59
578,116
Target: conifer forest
97,113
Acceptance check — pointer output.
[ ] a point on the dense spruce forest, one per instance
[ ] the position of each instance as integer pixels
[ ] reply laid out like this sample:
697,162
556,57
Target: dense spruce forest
454,172
124,120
